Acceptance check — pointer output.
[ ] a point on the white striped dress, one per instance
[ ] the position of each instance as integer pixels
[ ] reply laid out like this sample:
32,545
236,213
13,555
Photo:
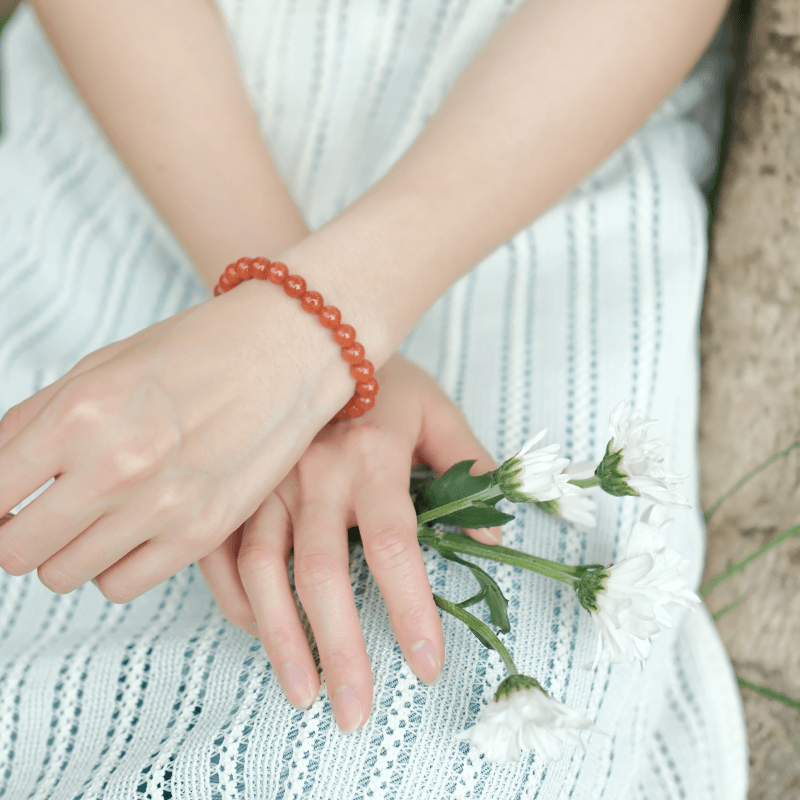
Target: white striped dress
595,302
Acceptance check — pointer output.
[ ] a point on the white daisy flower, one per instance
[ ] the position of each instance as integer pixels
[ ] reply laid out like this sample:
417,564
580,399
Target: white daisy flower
535,476
627,600
633,466
523,716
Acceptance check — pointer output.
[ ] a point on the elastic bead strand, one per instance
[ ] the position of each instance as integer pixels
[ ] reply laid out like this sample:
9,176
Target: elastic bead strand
329,317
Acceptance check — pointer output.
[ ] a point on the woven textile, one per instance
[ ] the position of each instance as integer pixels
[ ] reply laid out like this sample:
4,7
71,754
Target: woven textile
596,302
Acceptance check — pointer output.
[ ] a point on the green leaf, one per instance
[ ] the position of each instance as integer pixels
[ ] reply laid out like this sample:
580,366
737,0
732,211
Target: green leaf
493,595
455,484
740,565
723,611
479,515
767,692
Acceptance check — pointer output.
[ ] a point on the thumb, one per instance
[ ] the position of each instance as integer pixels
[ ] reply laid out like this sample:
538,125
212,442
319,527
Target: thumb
446,438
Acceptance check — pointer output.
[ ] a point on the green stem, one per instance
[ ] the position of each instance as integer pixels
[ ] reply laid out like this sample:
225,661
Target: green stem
473,623
585,483
747,477
496,552
457,505
740,565
773,695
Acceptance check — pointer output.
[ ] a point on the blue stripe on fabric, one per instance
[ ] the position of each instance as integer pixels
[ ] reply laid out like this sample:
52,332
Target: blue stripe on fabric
320,140
58,699
657,282
422,67
458,394
503,390
276,115
121,748
164,770
384,80
97,225
633,248
57,601
594,284
314,87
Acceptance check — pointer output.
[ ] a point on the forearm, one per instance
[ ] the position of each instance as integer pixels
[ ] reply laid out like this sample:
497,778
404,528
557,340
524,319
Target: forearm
163,81
551,95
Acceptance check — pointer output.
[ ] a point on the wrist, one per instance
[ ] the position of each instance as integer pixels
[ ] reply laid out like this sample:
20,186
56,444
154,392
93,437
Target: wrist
276,322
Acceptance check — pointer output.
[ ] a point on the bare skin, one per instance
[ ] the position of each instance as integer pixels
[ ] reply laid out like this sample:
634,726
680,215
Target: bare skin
166,442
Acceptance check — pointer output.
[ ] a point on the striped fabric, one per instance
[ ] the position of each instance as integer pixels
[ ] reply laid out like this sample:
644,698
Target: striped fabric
595,302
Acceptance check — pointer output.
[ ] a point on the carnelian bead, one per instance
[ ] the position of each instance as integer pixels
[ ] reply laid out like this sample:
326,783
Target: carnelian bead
330,317
364,404
354,354
277,272
294,286
233,275
311,302
243,269
225,283
367,388
217,291
259,267
344,335
363,371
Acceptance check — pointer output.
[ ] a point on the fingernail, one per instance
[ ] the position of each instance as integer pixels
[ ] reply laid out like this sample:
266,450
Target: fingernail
296,685
495,536
424,661
346,709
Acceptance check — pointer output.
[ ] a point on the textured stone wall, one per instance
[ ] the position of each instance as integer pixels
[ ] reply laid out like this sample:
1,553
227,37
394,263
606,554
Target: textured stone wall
751,387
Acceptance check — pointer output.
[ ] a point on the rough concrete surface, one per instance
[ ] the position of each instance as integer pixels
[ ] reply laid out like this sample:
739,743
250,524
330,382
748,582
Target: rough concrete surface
751,388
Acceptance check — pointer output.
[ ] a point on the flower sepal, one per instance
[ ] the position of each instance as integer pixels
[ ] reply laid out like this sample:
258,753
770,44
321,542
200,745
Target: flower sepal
612,479
507,478
516,683
591,582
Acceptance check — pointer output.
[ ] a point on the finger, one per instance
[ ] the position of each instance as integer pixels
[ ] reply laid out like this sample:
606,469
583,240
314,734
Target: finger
263,560
220,570
27,462
446,438
153,561
321,573
45,526
388,525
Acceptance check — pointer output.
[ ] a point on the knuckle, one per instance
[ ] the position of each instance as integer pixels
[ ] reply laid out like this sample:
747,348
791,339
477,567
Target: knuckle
314,573
84,404
259,560
202,534
368,443
10,422
390,549
139,457
168,498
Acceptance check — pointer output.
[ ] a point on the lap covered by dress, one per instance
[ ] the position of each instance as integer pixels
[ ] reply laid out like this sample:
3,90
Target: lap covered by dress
596,302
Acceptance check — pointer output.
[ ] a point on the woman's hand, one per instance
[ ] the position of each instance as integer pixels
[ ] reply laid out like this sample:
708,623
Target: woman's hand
163,443
353,473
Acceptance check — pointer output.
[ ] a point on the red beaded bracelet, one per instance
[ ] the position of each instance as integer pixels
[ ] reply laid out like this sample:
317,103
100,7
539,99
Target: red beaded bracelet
330,317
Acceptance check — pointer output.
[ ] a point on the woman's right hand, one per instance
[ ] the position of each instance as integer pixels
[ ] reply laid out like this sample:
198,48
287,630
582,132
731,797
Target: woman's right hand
353,473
